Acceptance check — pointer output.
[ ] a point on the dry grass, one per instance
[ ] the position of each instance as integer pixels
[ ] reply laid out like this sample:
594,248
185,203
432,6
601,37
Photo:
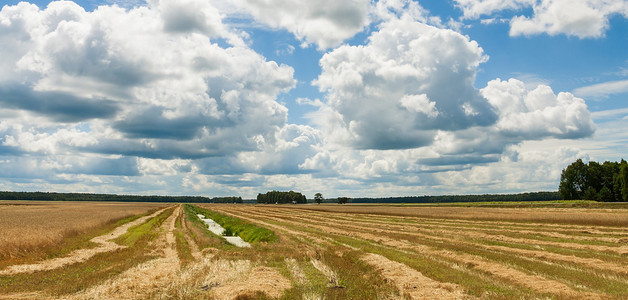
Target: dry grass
77,277
359,252
32,230
484,252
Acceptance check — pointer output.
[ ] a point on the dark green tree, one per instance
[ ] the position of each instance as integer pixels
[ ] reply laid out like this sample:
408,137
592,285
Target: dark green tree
342,200
590,194
573,181
318,197
605,195
594,176
623,181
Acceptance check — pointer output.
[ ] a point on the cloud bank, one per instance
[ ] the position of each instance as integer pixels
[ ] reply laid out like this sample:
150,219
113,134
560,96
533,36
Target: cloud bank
169,98
583,19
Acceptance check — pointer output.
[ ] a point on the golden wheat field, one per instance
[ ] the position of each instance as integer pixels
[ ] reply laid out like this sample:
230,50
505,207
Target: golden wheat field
336,252
32,227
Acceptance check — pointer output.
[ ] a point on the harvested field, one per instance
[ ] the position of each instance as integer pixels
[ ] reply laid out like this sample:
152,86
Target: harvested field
31,228
352,252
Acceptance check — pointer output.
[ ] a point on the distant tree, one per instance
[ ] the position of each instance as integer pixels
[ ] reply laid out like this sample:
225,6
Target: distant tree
573,181
281,197
590,194
623,181
605,195
318,197
342,200
594,176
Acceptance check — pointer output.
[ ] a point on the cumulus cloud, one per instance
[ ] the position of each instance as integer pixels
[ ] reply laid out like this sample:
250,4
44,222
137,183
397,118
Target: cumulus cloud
404,103
326,23
168,95
407,82
164,89
538,113
583,19
157,81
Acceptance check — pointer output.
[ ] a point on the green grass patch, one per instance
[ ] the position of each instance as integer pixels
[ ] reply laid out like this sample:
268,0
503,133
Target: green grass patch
141,231
236,227
197,229
184,250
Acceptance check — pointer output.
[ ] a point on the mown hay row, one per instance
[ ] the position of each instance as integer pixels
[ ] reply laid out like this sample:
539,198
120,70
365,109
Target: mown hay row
538,283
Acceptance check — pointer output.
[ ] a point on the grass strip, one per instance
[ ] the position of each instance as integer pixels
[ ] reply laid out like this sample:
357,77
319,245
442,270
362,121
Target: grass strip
237,227
183,248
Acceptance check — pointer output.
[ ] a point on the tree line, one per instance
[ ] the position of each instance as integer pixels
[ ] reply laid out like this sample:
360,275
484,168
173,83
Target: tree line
276,197
227,200
522,197
51,196
605,182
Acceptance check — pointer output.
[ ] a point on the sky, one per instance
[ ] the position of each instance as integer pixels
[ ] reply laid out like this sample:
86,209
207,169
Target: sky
356,98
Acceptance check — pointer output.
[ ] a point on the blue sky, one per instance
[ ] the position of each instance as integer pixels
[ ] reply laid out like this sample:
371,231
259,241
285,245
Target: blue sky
351,98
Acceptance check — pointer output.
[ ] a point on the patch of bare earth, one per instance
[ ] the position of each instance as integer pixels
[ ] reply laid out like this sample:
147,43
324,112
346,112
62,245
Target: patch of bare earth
80,255
147,278
411,282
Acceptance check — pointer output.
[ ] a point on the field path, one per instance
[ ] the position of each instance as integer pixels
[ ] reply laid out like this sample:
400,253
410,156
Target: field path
145,279
104,245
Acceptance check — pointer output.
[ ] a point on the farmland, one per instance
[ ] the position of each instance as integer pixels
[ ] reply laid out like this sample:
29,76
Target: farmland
331,252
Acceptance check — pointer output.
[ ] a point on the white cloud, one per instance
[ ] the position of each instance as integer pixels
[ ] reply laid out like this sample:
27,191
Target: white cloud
326,23
473,9
580,18
408,81
137,92
146,99
602,90
537,113
388,113
584,19
419,104
147,82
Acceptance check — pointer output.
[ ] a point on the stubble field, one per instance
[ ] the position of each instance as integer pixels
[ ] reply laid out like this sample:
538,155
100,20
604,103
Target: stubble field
344,252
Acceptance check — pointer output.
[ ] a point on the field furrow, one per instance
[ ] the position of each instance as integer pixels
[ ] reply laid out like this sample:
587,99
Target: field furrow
508,263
